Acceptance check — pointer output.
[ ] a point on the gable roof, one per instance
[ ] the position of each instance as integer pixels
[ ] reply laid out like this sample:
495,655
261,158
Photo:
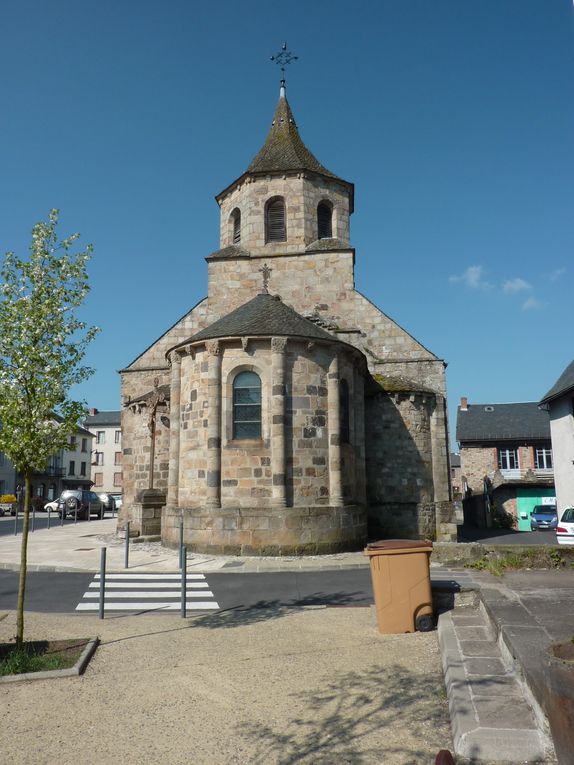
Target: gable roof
263,316
502,422
564,384
103,418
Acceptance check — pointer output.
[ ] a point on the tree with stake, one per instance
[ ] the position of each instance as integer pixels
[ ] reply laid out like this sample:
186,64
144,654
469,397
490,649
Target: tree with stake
42,344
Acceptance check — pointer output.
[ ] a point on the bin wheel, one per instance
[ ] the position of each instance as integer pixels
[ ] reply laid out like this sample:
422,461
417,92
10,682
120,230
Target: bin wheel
424,623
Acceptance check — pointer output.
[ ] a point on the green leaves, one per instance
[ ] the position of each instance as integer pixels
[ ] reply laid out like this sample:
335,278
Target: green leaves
42,344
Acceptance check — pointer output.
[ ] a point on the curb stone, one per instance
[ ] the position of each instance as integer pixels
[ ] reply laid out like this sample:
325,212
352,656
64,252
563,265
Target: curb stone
78,668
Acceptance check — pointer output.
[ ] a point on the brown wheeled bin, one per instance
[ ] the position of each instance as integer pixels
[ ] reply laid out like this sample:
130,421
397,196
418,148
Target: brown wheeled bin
401,584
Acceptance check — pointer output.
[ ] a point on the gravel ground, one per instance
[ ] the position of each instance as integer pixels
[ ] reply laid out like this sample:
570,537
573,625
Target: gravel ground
267,687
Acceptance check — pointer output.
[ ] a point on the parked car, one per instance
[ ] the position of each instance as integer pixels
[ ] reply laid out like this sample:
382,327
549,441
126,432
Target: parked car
108,500
543,517
80,503
565,528
51,506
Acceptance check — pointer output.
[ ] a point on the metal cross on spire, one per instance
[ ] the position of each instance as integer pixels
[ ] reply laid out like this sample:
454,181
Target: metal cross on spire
283,59
266,271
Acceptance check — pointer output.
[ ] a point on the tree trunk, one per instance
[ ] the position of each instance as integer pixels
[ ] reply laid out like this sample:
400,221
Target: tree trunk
23,564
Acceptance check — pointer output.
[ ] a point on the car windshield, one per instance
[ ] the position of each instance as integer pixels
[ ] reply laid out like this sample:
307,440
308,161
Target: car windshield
568,515
549,510
70,493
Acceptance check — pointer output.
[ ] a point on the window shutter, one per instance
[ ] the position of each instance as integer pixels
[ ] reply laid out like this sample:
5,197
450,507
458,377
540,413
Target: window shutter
236,227
276,221
324,226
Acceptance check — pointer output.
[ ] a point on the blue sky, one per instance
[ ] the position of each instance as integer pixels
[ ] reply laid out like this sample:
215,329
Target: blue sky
454,119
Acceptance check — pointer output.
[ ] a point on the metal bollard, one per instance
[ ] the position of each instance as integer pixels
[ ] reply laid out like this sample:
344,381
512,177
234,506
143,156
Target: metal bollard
181,543
16,521
127,554
49,516
183,581
102,580
33,517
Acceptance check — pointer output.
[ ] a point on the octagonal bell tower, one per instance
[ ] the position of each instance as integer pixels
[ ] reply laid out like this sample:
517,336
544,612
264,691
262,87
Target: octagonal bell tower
286,202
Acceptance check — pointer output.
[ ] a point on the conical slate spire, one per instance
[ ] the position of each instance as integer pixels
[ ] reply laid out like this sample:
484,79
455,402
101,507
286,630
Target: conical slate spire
283,149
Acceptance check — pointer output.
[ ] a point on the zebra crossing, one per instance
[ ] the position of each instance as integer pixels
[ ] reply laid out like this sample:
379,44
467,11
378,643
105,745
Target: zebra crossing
132,591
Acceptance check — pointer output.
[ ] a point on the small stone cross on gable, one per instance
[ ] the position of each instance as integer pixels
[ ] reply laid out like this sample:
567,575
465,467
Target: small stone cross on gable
266,272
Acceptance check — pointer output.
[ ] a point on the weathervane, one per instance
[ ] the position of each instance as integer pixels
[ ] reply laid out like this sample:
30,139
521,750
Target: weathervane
283,58
266,271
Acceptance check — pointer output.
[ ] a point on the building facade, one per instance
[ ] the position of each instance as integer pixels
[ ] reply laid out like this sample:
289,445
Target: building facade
67,469
106,457
559,403
506,461
285,412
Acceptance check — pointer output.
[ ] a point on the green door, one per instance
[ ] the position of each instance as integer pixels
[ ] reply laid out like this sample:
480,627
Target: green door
526,500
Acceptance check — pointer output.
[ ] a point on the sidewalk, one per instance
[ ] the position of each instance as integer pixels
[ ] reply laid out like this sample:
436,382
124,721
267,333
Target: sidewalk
492,643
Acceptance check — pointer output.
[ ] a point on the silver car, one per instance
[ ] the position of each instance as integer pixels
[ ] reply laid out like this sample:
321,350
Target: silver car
80,503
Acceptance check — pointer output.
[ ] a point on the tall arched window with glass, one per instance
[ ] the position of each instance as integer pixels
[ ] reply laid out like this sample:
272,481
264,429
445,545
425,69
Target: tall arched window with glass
344,411
247,405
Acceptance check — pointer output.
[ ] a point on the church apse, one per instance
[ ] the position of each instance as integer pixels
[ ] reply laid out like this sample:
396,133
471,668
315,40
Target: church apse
278,435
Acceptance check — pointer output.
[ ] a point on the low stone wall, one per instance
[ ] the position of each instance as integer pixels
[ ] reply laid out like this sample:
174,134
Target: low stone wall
267,531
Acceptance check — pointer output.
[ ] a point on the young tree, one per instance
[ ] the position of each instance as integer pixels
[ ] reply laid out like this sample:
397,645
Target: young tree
42,344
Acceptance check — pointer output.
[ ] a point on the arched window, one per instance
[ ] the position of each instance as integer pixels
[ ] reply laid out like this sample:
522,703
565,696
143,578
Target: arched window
247,405
324,220
236,226
344,411
275,229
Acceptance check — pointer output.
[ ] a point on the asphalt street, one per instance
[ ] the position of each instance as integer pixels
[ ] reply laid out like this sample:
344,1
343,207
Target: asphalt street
49,592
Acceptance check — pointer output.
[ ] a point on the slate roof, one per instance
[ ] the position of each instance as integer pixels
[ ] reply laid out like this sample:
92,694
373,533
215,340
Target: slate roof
502,422
283,149
103,418
232,251
263,316
564,384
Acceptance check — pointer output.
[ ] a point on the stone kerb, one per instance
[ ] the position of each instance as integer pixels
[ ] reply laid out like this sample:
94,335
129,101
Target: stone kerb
267,531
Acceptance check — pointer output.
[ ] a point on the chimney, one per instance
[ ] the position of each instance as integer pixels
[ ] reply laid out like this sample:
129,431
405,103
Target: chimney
94,411
463,404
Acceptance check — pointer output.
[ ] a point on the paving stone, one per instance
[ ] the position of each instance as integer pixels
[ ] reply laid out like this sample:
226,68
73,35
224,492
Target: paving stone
483,648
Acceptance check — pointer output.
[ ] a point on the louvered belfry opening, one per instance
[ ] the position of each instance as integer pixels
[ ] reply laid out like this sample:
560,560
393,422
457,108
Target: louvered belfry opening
236,221
275,229
324,220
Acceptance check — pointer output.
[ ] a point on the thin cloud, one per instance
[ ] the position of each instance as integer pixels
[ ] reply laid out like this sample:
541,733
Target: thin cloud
516,285
531,304
556,274
472,278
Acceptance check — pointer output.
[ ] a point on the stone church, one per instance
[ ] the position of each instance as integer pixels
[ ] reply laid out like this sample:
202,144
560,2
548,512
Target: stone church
285,413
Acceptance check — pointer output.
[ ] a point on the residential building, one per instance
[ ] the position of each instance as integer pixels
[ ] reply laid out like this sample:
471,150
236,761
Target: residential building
506,460
455,474
106,462
68,468
285,412
559,403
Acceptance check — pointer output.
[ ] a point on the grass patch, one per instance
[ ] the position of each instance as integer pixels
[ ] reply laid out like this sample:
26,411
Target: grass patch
40,655
497,562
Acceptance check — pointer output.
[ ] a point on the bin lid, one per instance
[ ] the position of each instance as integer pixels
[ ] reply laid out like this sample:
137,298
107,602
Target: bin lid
399,544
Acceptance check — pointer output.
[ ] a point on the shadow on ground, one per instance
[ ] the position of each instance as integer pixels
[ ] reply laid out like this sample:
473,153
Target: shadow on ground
390,703
265,610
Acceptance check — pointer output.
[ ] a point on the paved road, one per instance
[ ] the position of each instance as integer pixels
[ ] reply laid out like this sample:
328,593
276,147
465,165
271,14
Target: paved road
505,536
63,593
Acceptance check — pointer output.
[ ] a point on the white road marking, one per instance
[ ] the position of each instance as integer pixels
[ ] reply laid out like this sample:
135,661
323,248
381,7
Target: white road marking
144,592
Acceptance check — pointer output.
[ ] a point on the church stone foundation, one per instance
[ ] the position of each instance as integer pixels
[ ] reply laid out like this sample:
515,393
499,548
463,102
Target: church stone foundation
267,531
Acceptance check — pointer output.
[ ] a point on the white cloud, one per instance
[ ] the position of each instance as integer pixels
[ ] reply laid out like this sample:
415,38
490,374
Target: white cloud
531,304
516,285
472,277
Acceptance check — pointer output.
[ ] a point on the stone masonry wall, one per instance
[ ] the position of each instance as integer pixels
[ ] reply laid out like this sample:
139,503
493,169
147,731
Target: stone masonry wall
302,193
477,462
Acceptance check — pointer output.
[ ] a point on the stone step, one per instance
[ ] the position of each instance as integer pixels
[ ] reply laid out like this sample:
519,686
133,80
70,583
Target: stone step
493,715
